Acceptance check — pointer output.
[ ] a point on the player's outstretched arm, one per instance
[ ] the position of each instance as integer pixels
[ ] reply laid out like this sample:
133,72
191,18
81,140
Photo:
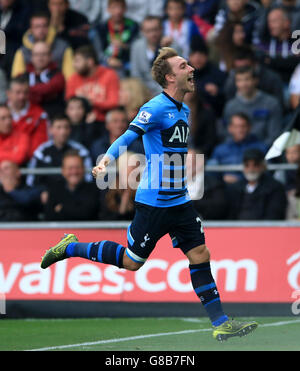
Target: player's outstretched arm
118,147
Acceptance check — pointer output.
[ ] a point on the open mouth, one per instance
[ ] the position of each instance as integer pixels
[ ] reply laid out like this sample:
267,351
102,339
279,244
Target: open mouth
191,80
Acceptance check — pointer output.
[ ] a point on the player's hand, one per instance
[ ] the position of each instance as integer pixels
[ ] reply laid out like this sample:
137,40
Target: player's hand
100,169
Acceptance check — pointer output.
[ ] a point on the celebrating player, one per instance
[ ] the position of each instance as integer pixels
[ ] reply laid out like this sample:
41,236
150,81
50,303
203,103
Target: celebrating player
163,205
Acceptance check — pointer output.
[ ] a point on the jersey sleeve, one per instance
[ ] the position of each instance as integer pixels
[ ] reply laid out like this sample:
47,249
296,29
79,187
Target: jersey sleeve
145,120
120,145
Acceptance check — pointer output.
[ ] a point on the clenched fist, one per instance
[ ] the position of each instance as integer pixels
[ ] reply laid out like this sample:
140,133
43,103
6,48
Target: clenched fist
100,169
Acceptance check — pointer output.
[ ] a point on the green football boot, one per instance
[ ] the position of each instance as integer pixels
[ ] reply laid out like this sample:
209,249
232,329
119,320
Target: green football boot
57,252
232,328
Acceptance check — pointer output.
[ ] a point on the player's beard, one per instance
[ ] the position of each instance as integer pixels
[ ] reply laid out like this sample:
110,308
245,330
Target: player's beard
192,87
184,86
189,86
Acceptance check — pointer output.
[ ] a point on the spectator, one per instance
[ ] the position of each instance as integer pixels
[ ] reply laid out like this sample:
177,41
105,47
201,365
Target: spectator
139,9
116,124
204,134
50,153
231,152
294,88
203,14
38,5
3,86
214,204
288,177
145,49
293,194
263,110
83,129
117,202
17,201
244,11
204,9
99,84
46,81
259,196
133,94
72,198
14,146
69,24
209,79
291,8
40,30
113,38
14,21
179,28
28,118
268,81
227,44
275,49
90,8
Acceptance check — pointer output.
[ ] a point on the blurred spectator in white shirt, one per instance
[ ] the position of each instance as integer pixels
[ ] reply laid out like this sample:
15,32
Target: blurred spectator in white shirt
294,88
138,9
90,8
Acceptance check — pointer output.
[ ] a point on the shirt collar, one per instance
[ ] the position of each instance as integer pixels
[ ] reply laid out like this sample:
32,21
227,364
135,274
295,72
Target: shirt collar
177,104
17,115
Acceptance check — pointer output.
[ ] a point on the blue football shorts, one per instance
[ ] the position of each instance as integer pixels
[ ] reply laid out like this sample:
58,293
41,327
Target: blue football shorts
181,222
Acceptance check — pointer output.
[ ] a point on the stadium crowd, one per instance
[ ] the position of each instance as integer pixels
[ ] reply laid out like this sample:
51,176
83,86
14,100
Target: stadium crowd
75,73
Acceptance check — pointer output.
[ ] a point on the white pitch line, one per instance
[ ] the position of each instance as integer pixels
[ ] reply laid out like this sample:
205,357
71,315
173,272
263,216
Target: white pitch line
282,323
121,339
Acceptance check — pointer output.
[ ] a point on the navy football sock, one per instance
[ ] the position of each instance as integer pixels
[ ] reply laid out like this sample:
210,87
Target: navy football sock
205,288
106,252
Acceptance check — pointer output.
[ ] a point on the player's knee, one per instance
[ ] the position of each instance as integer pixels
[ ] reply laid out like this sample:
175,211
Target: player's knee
130,264
199,254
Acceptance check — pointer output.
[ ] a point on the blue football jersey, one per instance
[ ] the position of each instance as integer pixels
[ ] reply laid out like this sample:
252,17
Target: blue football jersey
163,124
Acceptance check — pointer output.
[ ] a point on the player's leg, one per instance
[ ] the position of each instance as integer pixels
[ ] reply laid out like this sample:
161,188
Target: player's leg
191,240
147,227
107,252
142,236
206,289
204,284
189,237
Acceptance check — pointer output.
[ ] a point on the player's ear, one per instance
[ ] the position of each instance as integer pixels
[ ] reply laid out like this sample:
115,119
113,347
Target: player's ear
170,77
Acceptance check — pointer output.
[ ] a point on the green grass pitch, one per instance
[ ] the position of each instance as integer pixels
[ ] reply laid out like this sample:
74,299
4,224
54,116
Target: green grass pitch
144,334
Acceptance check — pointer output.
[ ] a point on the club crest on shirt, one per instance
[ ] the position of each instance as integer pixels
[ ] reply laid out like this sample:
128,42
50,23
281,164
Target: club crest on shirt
144,117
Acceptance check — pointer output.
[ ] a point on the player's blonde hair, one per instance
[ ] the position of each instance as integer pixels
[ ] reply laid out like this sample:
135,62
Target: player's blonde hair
161,67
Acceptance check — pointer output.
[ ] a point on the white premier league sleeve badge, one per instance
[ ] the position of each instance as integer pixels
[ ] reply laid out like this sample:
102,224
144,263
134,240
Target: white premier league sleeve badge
144,117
